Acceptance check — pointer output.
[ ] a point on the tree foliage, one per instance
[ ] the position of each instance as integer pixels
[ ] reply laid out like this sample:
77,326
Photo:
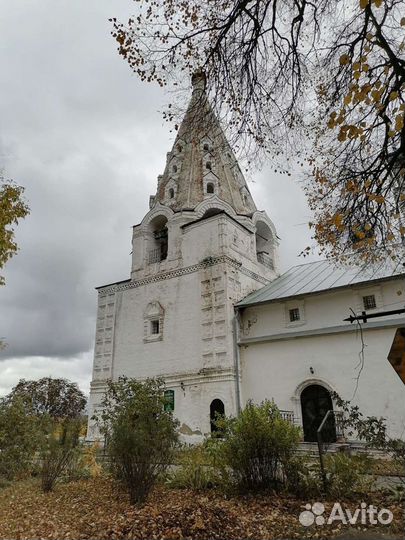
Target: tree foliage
12,209
321,82
140,433
57,398
19,439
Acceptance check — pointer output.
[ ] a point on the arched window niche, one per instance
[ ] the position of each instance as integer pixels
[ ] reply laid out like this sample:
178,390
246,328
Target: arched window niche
217,410
158,240
210,188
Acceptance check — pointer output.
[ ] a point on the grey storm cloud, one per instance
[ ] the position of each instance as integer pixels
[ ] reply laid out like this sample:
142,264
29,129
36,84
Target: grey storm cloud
87,140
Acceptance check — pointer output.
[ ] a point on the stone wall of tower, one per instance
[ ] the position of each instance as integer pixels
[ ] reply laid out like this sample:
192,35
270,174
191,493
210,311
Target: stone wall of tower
195,354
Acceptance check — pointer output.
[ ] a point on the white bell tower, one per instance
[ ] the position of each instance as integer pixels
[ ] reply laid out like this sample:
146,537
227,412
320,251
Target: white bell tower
202,247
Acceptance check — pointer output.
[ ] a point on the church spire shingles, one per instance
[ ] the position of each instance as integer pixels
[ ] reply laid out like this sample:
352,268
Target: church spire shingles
201,163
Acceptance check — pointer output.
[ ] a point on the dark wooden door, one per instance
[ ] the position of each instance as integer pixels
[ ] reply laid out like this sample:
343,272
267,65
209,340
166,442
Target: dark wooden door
315,403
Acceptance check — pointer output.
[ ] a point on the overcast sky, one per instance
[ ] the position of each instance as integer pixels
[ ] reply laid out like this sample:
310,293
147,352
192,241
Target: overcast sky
87,140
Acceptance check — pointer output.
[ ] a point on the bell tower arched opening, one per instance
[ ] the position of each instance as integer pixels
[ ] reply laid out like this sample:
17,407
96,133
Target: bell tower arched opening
264,244
158,240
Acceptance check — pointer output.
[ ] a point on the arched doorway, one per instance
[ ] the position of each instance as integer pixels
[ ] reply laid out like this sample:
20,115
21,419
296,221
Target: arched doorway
217,408
315,403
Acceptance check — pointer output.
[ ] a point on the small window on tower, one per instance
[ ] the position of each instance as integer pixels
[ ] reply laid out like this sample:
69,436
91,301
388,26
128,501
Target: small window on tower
179,148
208,165
175,168
210,188
369,302
294,314
206,147
155,327
171,193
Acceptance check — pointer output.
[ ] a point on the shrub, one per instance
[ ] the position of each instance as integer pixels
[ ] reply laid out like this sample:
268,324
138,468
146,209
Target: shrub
348,475
258,445
140,434
19,439
373,431
196,469
302,477
59,450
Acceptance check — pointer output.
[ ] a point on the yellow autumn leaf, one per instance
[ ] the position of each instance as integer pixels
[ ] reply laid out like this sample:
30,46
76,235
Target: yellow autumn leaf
399,122
344,59
393,95
402,21
364,3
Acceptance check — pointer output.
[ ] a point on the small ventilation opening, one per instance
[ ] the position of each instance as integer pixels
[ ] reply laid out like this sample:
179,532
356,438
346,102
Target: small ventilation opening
210,187
206,147
208,165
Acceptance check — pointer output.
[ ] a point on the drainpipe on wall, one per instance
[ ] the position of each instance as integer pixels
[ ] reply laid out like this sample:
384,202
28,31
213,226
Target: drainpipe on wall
236,356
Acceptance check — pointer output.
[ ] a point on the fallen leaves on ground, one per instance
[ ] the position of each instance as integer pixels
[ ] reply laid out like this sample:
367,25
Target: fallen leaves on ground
98,509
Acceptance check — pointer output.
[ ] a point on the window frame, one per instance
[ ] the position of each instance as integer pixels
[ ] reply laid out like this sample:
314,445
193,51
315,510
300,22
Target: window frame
292,314
366,298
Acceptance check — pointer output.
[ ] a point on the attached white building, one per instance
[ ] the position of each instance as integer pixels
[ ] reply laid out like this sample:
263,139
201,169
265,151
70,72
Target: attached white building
201,249
296,348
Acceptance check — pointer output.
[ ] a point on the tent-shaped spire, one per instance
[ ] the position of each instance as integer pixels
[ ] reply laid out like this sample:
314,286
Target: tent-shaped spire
201,163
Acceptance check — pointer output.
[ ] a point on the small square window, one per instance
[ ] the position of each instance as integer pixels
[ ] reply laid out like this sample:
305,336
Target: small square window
369,302
294,314
155,327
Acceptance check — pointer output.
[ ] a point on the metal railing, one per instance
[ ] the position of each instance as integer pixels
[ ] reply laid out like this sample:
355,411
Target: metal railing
265,259
287,415
155,255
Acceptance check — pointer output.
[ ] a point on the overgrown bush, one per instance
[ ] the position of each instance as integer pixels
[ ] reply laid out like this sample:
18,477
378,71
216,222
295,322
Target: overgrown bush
348,475
372,431
140,434
60,447
258,446
19,439
302,477
196,468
